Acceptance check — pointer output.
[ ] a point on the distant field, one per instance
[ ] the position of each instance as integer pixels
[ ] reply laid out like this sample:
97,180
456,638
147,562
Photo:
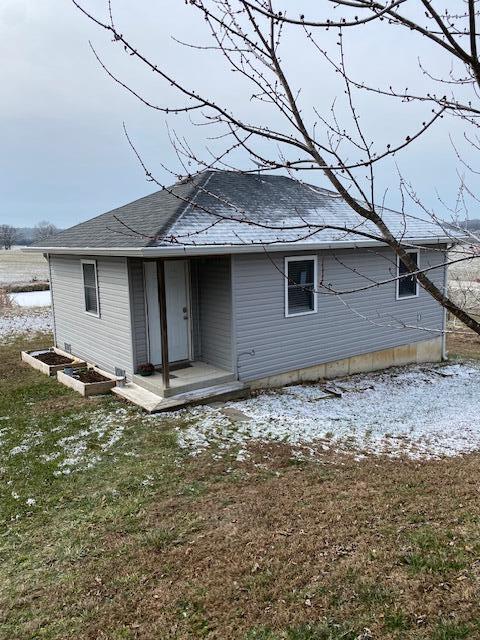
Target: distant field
464,281
466,270
16,266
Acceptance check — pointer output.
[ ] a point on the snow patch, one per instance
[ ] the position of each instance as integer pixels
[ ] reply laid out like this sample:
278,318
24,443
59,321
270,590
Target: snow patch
31,298
13,323
83,449
28,443
98,432
422,412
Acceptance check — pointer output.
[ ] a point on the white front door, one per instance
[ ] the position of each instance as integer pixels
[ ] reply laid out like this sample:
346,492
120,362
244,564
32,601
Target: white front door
176,293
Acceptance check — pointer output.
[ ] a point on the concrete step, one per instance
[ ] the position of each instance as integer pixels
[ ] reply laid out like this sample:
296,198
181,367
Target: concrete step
226,391
198,384
154,403
138,395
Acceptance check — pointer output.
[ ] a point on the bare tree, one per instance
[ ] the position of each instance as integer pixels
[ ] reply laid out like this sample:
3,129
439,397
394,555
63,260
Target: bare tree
44,230
292,136
8,236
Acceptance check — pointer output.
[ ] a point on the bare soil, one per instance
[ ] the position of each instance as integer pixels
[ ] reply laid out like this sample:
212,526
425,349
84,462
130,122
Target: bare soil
52,358
90,375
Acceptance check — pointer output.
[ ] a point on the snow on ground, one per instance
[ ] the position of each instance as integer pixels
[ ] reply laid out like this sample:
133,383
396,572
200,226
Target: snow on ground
15,322
410,411
31,298
86,447
37,449
68,449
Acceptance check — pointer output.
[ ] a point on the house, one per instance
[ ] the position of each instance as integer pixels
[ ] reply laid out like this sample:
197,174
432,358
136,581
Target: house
229,279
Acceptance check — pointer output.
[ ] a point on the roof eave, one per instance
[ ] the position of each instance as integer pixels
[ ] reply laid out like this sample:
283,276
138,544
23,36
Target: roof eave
217,249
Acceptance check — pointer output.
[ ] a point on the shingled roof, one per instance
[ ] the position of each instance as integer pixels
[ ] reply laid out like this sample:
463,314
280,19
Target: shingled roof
136,224
218,208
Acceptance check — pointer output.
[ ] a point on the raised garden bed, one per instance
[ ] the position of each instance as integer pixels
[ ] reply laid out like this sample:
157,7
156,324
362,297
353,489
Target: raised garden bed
88,381
50,360
51,357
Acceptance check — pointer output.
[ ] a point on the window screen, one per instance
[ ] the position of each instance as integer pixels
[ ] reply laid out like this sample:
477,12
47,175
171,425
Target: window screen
90,287
301,283
407,284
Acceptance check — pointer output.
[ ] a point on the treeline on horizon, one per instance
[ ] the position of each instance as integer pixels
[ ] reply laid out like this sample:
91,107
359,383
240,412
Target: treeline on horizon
25,236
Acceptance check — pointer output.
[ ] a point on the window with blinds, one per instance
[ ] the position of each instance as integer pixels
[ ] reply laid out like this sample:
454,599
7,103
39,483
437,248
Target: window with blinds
407,284
90,286
301,275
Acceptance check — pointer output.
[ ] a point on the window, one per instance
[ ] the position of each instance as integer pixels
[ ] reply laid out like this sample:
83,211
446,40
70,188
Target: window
90,286
407,285
300,281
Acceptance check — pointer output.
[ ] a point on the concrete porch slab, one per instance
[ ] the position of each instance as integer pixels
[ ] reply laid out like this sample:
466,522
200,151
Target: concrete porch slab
196,376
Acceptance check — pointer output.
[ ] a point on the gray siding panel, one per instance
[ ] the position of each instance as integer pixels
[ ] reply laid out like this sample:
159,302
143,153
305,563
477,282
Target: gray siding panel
105,341
215,311
138,312
344,326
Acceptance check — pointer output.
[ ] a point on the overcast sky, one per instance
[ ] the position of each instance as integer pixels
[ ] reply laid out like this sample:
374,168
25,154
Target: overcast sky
63,155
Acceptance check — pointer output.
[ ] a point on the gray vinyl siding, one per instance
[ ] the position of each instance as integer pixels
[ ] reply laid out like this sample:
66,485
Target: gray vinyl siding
105,341
138,312
215,311
343,326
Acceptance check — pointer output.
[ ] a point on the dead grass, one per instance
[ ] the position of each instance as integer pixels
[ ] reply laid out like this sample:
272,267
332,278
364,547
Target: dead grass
389,547
28,287
463,343
5,301
158,546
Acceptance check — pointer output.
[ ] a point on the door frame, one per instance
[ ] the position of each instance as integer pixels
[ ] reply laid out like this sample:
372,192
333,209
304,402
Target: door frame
188,290
188,295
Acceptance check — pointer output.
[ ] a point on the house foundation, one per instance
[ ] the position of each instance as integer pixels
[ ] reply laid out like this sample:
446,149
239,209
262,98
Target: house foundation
417,352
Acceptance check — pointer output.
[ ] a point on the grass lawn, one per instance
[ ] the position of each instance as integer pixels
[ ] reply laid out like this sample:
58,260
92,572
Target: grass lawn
108,531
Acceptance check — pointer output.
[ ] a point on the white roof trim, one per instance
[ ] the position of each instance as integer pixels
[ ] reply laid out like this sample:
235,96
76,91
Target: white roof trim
217,249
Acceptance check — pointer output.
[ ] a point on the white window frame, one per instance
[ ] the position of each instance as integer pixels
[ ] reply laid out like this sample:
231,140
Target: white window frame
301,259
90,313
417,288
